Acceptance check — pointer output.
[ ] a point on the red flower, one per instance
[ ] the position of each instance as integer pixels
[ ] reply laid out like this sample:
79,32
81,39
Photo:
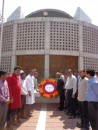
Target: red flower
47,88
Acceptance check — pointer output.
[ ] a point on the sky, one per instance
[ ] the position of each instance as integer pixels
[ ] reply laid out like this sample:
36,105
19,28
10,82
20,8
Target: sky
90,7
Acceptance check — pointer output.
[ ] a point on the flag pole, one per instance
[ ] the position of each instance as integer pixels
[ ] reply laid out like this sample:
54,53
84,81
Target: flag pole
1,38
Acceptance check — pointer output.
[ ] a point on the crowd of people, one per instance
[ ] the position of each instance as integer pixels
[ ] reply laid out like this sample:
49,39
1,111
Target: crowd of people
78,94
16,96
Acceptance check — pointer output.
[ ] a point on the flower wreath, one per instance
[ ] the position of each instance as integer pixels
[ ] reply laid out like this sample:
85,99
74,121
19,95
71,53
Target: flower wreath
47,88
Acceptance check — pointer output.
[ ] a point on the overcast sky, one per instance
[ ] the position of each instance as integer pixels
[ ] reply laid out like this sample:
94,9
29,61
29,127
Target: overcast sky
90,7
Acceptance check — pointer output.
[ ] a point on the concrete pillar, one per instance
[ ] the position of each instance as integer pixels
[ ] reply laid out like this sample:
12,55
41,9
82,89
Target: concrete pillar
80,58
13,63
80,62
46,66
47,49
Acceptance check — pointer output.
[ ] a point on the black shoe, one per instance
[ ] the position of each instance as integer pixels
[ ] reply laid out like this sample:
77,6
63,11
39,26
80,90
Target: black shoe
71,117
61,109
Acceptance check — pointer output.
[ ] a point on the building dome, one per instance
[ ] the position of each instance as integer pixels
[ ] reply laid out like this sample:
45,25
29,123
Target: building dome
49,13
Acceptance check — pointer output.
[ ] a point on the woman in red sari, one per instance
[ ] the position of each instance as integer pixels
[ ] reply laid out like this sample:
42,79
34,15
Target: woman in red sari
15,94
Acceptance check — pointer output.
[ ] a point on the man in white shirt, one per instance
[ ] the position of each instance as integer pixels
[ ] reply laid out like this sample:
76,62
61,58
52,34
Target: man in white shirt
83,104
30,98
70,87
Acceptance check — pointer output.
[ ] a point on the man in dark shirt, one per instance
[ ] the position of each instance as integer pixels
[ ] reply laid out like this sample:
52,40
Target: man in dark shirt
60,88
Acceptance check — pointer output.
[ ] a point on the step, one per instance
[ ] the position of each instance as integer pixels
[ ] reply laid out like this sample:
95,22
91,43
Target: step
40,99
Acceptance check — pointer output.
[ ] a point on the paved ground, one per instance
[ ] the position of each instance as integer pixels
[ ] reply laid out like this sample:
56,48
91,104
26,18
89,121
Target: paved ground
55,120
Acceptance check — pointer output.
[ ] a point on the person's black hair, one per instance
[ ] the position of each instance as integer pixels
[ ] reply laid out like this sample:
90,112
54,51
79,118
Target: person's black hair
2,72
17,67
91,72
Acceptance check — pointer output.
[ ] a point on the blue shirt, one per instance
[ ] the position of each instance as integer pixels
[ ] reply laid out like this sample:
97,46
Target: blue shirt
92,90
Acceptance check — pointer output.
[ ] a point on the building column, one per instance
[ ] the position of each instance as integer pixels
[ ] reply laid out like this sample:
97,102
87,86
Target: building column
13,63
46,66
80,58
80,62
47,49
